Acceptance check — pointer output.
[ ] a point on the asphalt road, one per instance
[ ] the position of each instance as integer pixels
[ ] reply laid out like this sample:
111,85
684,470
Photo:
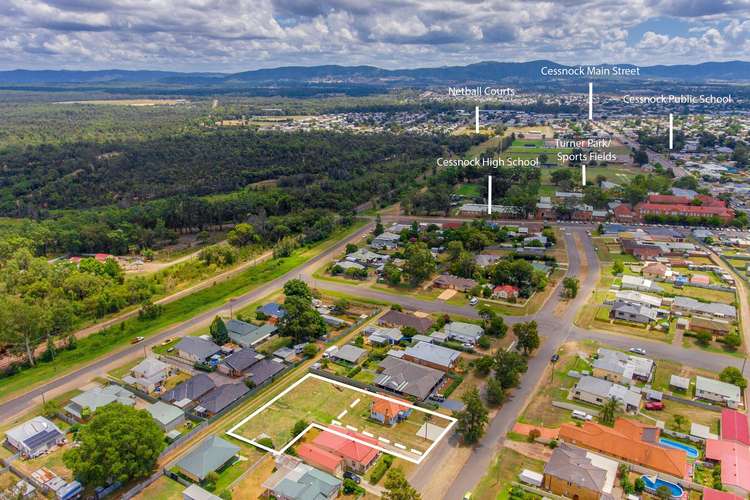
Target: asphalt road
81,376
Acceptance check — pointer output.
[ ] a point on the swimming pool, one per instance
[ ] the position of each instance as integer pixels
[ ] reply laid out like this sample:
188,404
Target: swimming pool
653,483
692,451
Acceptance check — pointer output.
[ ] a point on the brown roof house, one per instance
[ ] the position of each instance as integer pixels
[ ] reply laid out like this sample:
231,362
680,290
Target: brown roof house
577,473
400,319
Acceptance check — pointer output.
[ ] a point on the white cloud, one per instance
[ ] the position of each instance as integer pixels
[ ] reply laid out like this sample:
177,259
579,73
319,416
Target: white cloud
232,35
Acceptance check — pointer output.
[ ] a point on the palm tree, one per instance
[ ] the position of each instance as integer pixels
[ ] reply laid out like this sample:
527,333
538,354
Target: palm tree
607,413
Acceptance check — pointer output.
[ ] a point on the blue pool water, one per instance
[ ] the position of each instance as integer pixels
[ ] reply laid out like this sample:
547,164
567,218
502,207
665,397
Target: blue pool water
692,452
653,483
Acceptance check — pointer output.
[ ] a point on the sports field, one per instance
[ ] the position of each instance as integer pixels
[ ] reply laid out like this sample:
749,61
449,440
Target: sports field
320,403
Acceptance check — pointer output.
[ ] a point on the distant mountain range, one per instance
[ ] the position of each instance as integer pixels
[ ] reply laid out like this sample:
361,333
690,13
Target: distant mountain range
483,72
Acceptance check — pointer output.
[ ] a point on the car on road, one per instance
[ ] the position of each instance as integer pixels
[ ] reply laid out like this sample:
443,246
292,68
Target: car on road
352,476
473,301
137,339
555,358
467,495
638,350
581,415
437,397
167,341
654,405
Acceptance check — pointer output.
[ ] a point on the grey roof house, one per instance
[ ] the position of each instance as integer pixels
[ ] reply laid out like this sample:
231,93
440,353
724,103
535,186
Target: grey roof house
35,437
597,391
196,349
98,397
295,480
432,355
405,377
148,374
247,334
239,362
400,319
265,370
463,332
190,390
221,397
348,353
637,313
690,306
210,455
579,468
167,416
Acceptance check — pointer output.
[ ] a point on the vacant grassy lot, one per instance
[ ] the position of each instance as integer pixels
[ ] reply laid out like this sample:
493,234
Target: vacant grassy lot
322,402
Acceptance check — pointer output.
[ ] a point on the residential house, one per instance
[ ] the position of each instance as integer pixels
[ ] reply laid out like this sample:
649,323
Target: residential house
467,333
735,426
388,412
265,370
35,437
356,455
386,241
505,292
598,391
237,363
637,283
321,459
400,319
688,305
655,270
273,311
712,494
621,368
734,458
220,398
196,349
718,391
247,334
294,480
624,213
367,258
383,336
211,455
635,297
97,397
432,355
167,416
714,326
628,441
190,390
348,354
148,375
577,473
679,383
451,282
407,378
484,260
637,313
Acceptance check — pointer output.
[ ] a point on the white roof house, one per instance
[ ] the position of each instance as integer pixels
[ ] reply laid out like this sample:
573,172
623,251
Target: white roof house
464,332
35,437
716,390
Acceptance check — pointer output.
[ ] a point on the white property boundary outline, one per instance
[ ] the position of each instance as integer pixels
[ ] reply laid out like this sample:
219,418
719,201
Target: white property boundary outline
451,420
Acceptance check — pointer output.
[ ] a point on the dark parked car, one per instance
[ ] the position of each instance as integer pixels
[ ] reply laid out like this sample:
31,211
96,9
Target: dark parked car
352,476
555,358
655,405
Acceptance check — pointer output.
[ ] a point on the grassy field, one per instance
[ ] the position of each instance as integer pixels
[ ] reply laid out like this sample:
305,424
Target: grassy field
504,470
180,310
322,402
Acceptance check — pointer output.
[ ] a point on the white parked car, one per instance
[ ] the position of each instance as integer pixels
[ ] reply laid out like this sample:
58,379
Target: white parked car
638,350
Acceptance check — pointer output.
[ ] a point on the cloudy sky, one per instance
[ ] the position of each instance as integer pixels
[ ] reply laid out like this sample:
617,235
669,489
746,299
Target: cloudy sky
235,35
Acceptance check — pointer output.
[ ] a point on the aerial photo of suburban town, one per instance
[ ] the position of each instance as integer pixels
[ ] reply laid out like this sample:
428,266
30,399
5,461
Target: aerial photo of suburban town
295,250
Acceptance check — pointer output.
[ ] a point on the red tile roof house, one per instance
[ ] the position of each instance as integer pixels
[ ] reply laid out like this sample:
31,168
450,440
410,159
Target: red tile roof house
624,213
387,412
505,292
654,270
357,456
321,459
712,494
735,426
700,279
660,204
735,464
